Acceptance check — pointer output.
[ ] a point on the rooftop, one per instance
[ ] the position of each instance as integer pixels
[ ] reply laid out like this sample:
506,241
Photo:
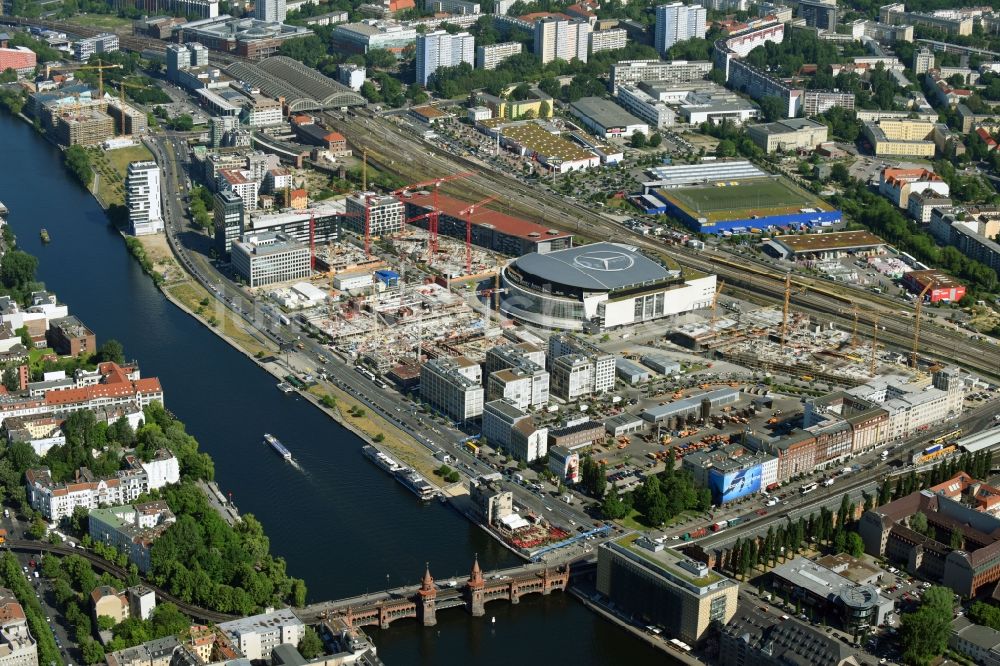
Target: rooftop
838,240
595,267
483,216
604,112
935,278
668,562
533,137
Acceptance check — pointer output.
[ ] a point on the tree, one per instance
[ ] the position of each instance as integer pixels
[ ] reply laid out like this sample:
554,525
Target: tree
855,545
918,523
839,173
726,148
167,620
544,109
655,139
10,379
638,140
111,351
17,269
773,108
310,646
924,633
92,651
37,529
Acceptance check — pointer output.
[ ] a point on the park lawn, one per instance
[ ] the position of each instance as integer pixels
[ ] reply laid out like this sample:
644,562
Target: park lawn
111,166
35,357
104,21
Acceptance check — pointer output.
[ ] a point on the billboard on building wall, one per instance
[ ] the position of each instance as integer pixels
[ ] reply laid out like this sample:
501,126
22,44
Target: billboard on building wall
729,486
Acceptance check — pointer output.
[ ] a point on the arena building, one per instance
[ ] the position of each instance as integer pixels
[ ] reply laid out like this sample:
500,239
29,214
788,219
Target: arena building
597,287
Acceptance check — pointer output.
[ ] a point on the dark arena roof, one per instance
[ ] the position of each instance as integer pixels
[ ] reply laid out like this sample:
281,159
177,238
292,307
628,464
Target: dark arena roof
592,268
303,88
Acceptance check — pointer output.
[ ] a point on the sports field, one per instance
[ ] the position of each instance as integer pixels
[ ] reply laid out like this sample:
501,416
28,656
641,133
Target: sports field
743,199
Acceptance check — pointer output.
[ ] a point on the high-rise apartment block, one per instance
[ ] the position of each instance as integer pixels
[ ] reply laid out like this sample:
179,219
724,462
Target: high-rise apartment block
272,11
561,38
142,198
385,214
491,55
440,49
678,22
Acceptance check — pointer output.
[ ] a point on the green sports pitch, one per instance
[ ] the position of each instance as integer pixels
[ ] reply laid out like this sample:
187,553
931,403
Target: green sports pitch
743,199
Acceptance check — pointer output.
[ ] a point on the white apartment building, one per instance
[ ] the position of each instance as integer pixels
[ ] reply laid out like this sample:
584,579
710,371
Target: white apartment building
509,428
514,355
912,407
453,386
272,11
263,111
523,387
608,40
17,647
56,501
386,214
441,49
572,377
561,38
677,71
257,635
491,55
142,198
678,22
276,180
241,182
352,75
268,258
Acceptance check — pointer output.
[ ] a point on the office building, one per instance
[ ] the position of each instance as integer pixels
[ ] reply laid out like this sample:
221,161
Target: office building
605,119
441,49
267,258
524,387
561,38
241,182
182,57
513,431
261,111
514,355
603,374
828,594
383,214
372,34
257,636
21,59
271,11
131,528
142,198
756,636
228,220
105,42
788,135
453,385
645,579
678,22
490,55
819,14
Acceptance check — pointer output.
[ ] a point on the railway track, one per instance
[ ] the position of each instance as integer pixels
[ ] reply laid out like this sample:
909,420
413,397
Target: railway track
196,612
757,278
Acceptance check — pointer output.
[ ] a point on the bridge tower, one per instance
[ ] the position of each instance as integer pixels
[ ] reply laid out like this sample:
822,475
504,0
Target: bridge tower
477,590
426,608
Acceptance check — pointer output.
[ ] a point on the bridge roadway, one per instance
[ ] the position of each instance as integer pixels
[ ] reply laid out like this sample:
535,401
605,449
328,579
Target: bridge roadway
375,133
98,562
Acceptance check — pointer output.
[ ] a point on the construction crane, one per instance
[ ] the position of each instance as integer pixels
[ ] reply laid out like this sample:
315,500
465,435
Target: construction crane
100,67
121,97
435,211
467,212
784,309
918,306
854,331
874,346
715,304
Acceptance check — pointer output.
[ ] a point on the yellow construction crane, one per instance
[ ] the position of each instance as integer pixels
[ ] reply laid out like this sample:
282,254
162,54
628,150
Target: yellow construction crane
918,306
715,304
100,75
874,345
121,97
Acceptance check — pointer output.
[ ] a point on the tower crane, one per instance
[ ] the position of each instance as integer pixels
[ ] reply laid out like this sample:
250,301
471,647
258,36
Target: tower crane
874,346
121,97
435,211
100,67
467,212
918,306
784,309
715,304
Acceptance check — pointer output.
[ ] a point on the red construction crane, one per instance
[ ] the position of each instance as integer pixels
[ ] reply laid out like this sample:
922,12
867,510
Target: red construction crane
467,212
417,218
432,220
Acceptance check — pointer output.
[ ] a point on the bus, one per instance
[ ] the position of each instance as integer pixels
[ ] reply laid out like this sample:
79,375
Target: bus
808,488
947,437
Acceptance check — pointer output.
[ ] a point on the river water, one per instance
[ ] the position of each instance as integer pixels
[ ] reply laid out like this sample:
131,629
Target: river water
341,524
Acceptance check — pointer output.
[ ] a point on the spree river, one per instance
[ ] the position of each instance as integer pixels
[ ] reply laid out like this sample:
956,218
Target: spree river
340,523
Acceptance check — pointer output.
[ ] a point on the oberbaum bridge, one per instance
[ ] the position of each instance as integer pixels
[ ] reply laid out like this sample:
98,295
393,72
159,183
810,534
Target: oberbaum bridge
422,602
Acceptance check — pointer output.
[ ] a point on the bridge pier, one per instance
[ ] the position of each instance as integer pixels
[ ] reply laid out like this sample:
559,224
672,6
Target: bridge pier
426,600
476,590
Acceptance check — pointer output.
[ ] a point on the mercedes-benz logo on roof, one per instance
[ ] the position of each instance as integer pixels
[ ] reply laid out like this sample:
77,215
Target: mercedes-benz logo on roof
604,260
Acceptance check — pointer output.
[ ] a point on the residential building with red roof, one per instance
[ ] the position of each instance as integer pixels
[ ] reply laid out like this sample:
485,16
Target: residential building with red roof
898,184
990,142
17,647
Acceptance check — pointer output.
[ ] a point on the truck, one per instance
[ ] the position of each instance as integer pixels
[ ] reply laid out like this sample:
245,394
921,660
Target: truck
285,321
719,526
828,482
695,534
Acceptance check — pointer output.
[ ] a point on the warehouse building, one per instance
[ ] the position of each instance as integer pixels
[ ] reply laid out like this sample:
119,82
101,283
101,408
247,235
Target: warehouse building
825,246
696,404
941,286
606,119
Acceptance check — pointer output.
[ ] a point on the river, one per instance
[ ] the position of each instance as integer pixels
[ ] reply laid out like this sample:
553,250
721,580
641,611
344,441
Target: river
340,523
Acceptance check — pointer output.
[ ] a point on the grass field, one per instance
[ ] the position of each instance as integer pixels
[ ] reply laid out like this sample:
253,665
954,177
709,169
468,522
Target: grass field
743,199
111,166
104,21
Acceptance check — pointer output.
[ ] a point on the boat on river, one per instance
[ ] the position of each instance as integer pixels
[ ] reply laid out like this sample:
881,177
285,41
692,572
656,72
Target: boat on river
278,447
